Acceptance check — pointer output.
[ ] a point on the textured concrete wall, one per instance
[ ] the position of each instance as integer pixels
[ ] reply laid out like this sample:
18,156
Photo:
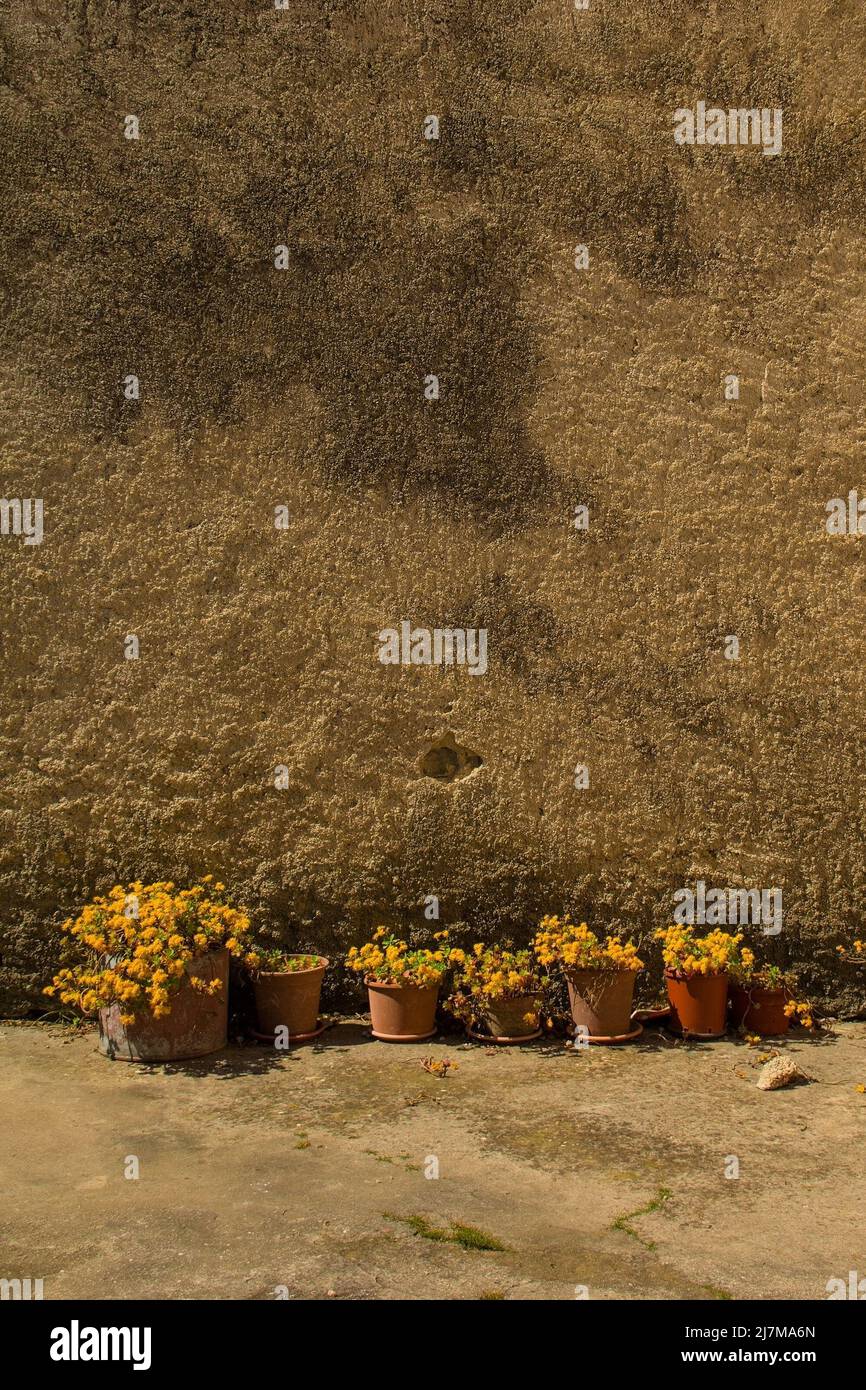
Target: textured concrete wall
305,388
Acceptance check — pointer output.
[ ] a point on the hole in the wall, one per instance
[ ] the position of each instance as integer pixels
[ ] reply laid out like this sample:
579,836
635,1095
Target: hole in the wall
446,760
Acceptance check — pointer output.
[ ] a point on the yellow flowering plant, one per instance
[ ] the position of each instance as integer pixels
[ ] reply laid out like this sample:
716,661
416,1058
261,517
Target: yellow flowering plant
749,974
133,946
487,974
561,942
857,955
801,1013
390,960
716,953
272,960
746,971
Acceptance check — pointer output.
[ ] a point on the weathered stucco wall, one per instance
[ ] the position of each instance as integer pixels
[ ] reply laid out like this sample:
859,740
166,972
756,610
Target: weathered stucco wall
305,388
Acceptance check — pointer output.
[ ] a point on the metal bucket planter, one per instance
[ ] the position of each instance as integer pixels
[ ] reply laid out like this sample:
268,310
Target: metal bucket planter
290,999
195,1026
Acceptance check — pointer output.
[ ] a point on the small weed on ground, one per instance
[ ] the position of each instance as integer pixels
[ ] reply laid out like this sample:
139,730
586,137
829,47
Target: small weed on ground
623,1223
467,1237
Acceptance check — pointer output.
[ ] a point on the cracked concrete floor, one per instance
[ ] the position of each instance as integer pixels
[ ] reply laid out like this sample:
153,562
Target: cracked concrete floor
261,1171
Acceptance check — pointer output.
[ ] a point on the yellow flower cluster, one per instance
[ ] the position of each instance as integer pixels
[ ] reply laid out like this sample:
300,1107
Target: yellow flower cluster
559,941
489,974
133,946
744,969
390,961
716,953
800,1013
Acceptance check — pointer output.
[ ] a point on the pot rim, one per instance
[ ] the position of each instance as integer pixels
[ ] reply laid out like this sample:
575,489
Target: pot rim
398,984
696,975
323,964
513,998
503,1039
488,1011
769,991
599,970
207,954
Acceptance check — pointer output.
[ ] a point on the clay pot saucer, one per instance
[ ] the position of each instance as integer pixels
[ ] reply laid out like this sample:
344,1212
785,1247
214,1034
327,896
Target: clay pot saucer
652,1015
293,1037
620,1037
404,1037
492,1038
688,1036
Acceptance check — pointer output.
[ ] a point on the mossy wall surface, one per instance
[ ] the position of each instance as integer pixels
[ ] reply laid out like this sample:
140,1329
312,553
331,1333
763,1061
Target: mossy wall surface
304,388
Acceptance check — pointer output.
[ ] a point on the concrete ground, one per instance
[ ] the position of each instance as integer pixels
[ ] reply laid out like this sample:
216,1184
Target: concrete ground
306,1171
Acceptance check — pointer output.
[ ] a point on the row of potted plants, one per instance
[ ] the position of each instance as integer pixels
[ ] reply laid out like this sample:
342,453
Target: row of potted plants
152,963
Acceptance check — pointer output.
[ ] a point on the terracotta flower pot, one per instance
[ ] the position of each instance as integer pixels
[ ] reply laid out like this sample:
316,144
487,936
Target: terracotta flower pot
289,999
601,1001
698,1004
506,1018
402,1013
195,1025
759,1009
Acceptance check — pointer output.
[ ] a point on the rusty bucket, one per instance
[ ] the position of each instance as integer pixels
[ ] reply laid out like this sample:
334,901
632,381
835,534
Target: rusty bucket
194,1027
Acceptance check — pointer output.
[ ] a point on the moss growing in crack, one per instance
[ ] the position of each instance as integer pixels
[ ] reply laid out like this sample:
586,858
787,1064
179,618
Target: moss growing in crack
467,1237
623,1222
